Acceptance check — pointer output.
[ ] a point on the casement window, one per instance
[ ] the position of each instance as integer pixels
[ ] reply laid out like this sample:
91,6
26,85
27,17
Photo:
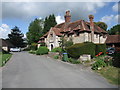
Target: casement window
96,35
104,36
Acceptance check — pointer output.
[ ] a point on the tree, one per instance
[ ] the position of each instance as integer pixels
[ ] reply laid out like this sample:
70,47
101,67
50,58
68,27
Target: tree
49,22
16,37
102,25
115,30
35,31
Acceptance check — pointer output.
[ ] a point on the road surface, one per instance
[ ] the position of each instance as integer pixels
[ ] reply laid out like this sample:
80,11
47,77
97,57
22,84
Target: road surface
25,70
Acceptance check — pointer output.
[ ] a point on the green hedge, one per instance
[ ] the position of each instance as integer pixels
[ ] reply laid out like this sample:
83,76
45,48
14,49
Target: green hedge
100,48
76,50
81,48
42,50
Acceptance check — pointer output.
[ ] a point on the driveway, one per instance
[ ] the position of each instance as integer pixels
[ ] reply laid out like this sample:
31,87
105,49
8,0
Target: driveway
25,70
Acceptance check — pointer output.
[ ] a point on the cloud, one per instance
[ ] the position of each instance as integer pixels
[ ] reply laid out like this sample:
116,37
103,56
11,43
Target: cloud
4,31
115,7
27,10
110,19
59,19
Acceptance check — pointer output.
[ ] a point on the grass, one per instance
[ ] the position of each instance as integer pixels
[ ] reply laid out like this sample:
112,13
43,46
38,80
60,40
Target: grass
4,58
111,74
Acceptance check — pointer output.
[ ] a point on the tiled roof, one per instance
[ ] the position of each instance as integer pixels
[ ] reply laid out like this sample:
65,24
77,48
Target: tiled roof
71,27
113,39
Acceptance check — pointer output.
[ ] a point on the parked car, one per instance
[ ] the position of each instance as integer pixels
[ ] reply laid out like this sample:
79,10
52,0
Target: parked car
15,49
110,50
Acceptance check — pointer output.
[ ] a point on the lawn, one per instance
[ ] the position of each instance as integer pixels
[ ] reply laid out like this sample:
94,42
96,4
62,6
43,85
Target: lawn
4,58
112,74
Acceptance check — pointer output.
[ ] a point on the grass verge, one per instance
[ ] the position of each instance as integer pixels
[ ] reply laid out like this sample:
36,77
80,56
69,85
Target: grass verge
4,58
112,74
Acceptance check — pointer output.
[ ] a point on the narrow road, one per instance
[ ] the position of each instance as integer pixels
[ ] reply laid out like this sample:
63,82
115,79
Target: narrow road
25,70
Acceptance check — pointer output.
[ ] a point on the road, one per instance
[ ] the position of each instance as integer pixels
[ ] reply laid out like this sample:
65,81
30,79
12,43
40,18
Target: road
25,70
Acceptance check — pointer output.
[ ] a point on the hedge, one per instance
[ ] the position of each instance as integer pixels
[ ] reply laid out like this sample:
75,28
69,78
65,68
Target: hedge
76,50
81,48
100,48
42,50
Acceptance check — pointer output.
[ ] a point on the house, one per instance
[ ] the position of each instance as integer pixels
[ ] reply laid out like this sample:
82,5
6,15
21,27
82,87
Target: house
113,41
5,44
79,31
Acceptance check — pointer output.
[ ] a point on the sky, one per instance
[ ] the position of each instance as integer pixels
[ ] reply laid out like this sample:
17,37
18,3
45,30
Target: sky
22,13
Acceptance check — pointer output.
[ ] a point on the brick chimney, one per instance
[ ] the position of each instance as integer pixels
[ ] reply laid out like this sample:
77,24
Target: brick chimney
67,16
91,17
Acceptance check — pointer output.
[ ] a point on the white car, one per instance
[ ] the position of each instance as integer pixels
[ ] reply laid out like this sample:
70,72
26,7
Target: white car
15,49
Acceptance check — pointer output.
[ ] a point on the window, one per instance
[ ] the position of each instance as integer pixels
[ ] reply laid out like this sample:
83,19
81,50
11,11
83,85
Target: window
96,35
104,36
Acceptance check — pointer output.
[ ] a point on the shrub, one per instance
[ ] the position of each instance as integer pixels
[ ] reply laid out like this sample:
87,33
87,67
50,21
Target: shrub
98,64
32,52
42,50
73,61
76,50
100,48
33,46
42,44
68,43
56,56
57,49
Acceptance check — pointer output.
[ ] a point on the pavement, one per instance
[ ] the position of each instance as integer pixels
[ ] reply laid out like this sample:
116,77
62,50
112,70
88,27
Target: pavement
26,70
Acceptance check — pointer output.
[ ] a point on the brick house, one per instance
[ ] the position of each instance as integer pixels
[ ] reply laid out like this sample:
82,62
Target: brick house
79,31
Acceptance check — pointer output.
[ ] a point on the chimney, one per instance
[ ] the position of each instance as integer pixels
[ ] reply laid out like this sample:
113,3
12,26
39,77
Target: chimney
67,16
91,17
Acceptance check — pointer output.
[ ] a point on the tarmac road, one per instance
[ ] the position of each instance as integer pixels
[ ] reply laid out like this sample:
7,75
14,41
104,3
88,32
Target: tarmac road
25,70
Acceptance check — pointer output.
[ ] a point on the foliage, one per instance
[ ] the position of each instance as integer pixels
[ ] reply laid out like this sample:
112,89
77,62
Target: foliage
73,61
57,49
32,52
56,56
68,43
42,50
116,60
42,44
16,37
33,46
102,25
98,64
35,31
49,22
111,74
114,30
100,48
81,48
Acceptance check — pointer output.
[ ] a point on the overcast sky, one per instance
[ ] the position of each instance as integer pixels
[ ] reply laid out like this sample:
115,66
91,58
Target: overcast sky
22,13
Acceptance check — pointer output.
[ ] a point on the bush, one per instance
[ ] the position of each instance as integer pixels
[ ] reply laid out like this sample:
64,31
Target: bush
57,49
42,44
98,64
33,46
100,48
68,43
42,50
116,60
56,56
32,52
76,50
73,61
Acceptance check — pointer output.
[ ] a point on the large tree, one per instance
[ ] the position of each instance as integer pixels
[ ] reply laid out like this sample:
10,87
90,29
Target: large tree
115,30
102,25
49,22
35,31
16,37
